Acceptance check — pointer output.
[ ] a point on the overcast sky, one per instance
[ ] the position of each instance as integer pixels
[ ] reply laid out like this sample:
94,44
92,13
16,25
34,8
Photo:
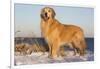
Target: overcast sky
27,18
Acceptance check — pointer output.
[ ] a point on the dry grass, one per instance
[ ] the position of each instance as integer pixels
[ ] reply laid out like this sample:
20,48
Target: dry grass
21,48
28,49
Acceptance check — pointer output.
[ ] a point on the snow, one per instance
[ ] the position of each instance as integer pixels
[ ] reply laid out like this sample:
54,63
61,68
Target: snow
40,57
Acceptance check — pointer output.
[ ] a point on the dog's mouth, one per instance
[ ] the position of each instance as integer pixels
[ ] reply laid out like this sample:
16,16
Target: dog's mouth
44,16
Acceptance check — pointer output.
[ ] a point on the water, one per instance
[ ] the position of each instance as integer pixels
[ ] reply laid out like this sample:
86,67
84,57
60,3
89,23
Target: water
90,44
41,42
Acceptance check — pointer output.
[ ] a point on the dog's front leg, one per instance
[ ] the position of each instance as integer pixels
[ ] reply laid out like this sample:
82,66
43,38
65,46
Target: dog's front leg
49,51
54,51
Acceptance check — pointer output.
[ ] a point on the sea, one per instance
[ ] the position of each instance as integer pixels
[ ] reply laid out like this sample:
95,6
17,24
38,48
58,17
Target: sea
41,41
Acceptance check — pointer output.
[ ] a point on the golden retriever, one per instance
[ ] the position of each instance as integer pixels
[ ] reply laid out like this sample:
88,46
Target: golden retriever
58,35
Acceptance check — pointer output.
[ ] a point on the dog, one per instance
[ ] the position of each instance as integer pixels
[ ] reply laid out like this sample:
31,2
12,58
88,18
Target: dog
58,35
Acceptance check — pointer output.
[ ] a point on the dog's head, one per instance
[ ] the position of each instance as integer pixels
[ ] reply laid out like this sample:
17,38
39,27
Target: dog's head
47,13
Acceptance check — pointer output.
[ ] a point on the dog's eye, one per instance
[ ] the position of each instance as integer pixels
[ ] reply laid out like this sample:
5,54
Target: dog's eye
48,10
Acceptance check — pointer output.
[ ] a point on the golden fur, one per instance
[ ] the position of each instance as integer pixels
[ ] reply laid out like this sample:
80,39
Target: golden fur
58,35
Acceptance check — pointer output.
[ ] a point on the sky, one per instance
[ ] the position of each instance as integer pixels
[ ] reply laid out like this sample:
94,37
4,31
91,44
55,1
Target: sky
27,19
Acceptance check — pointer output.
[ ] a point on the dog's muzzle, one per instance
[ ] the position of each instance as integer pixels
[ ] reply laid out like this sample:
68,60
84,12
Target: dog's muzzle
44,16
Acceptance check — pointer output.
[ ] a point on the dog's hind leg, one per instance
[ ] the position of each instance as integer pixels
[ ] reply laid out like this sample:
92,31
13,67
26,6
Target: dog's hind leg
75,47
83,47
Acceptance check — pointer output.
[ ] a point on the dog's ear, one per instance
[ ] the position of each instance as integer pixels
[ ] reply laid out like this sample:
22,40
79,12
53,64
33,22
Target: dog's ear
53,13
41,15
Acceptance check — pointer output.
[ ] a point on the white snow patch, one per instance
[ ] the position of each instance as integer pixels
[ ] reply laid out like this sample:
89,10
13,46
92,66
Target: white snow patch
40,57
